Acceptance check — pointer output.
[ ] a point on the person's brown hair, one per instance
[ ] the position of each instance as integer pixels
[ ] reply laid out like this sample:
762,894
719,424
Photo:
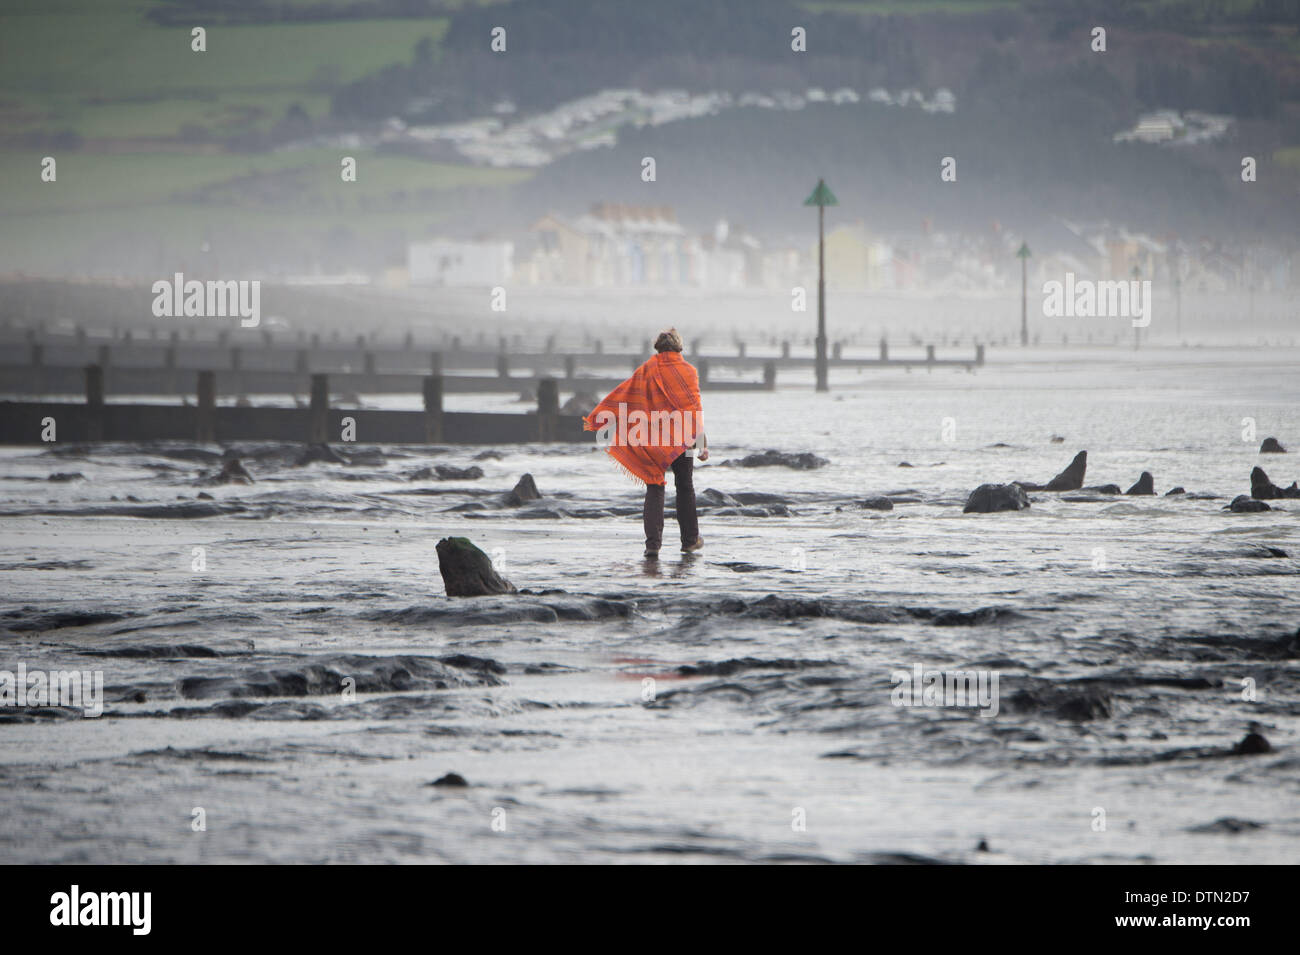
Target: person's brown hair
668,340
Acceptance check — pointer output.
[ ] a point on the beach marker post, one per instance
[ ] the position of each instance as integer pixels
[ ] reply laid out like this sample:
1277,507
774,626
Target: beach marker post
1178,291
1023,255
821,198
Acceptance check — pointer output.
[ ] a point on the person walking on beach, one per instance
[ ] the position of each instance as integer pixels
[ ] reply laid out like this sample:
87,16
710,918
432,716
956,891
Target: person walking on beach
650,424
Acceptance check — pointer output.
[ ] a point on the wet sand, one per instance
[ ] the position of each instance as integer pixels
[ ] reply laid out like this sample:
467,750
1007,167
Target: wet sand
1119,686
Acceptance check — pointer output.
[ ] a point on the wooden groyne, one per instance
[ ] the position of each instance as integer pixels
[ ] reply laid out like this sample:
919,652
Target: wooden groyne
95,419
46,365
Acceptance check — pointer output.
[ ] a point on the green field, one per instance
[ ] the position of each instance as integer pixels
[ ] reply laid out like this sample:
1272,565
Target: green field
149,120
100,69
105,72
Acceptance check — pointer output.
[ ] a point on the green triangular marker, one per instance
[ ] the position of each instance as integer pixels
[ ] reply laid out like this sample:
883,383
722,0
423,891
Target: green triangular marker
821,196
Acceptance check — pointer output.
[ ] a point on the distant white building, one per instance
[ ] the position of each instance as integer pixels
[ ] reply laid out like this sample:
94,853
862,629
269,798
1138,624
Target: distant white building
944,101
447,262
1166,126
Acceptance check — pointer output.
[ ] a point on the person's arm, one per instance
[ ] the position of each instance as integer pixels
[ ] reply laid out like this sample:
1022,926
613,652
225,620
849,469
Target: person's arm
702,443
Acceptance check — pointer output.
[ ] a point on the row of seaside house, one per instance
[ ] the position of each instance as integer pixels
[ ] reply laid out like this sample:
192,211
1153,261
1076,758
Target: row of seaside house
616,245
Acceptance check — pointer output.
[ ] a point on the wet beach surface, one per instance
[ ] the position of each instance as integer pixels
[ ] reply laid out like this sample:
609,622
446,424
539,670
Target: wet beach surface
1121,629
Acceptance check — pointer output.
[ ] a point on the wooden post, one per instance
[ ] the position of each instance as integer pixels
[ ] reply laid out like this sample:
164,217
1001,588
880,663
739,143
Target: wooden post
300,364
94,403
1023,255
785,349
884,349
979,355
600,347
205,419
369,362
38,369
740,349
169,359
433,408
570,366
769,376
503,365
837,350
1024,301
820,360
929,354
548,408
435,363
318,422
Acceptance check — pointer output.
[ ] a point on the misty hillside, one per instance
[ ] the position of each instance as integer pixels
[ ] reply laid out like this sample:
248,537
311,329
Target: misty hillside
236,149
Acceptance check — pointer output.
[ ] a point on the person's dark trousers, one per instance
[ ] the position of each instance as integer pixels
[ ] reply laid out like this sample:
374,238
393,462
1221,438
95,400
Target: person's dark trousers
653,513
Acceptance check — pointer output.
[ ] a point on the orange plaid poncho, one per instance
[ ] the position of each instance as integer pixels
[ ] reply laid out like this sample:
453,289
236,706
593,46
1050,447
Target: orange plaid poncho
652,417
